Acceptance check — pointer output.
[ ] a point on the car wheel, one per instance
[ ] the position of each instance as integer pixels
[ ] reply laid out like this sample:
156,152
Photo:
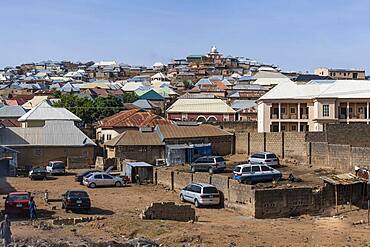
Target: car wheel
92,185
118,184
196,203
210,170
182,198
193,169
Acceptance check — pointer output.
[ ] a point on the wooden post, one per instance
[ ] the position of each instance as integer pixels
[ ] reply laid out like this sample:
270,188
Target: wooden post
336,199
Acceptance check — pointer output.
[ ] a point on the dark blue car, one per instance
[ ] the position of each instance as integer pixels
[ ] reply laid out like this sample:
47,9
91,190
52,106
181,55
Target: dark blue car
254,173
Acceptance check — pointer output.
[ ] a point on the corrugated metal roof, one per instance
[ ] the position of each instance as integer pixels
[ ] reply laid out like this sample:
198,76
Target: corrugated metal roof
12,111
54,133
133,118
139,164
205,130
44,111
200,106
135,138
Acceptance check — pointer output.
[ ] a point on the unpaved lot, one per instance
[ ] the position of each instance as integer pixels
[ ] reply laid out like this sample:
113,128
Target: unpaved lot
216,227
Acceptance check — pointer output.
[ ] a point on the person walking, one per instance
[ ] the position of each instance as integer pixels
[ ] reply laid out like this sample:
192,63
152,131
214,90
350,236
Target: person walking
6,233
32,209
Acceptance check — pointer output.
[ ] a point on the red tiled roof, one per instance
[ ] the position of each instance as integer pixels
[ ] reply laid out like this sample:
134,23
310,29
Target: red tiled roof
11,102
10,123
133,118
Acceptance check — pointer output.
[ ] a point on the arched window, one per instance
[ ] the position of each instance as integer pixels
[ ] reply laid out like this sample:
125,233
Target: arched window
201,119
212,119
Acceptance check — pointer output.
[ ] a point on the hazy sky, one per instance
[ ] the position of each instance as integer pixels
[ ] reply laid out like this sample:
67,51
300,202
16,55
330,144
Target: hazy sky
294,34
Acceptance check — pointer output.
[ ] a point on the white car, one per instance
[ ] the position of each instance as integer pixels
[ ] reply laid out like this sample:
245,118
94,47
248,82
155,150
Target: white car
200,194
56,167
96,179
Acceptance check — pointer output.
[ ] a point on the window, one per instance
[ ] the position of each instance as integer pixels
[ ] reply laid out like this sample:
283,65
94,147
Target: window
325,110
37,152
237,169
98,176
246,169
256,169
270,156
195,188
282,110
294,127
210,190
265,168
292,110
109,137
105,176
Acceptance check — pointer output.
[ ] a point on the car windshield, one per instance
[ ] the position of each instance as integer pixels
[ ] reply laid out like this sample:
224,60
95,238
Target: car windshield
220,159
88,175
78,194
271,156
209,190
18,197
58,166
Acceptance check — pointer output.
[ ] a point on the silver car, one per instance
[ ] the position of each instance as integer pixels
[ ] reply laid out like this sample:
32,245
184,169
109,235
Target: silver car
211,164
200,194
96,179
265,158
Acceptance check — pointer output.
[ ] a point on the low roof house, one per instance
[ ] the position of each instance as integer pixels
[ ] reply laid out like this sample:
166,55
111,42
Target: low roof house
201,110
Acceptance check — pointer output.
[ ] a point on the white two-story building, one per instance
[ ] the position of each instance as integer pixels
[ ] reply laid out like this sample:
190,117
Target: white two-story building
309,107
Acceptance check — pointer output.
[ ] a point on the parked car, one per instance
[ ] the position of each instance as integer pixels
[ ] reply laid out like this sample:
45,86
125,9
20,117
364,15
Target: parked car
17,202
79,177
56,167
38,173
266,158
200,194
209,163
76,200
101,179
254,173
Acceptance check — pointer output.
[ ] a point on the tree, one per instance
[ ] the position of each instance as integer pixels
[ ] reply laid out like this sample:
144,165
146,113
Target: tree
130,97
188,84
106,106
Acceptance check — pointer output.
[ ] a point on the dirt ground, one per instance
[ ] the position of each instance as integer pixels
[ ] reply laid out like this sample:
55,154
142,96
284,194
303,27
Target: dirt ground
216,227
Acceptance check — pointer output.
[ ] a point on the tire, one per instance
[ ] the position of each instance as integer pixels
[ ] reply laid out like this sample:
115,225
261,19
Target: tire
118,184
196,203
182,198
92,185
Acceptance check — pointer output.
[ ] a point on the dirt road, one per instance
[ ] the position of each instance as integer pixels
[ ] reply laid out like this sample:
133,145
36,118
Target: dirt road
216,227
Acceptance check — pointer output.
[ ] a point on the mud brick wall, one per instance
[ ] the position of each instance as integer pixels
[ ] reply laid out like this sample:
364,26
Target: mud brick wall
274,143
360,156
241,143
222,184
200,177
319,153
283,202
339,157
182,179
169,211
256,142
295,146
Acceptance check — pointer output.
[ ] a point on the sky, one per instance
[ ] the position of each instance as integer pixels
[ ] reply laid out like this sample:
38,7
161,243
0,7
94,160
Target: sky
297,35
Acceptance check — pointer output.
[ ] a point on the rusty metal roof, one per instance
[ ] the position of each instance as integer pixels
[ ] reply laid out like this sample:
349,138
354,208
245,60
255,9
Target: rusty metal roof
205,130
135,138
342,179
133,118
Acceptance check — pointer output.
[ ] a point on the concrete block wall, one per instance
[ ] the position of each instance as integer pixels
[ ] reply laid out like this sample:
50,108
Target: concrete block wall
201,177
295,146
319,153
241,143
243,195
283,202
274,143
222,184
169,211
360,156
339,157
163,177
182,179
256,142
